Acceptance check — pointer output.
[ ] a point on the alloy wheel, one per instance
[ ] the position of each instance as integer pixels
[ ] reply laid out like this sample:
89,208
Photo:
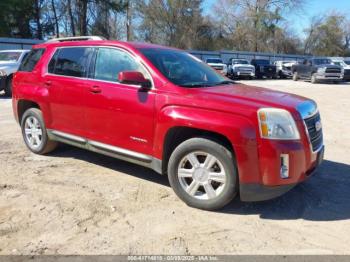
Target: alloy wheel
33,132
201,175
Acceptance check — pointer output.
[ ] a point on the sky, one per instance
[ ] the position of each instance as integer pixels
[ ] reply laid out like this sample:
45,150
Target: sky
301,20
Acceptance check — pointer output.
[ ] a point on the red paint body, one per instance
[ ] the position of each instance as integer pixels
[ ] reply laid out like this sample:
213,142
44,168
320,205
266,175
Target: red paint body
113,112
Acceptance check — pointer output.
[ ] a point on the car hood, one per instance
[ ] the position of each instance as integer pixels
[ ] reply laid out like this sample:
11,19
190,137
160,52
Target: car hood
216,64
246,99
3,63
289,64
328,66
242,65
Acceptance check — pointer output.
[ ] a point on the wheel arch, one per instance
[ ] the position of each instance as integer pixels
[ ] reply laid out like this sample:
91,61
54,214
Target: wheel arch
23,105
178,134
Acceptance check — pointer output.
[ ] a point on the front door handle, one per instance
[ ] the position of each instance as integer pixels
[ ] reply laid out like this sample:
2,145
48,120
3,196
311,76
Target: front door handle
48,83
95,89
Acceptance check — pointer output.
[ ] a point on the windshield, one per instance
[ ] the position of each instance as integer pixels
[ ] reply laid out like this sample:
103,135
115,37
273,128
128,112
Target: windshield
262,62
244,62
9,56
323,61
214,61
347,62
182,68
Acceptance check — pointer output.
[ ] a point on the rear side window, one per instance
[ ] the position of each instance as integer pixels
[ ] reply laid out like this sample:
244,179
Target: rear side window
72,61
31,60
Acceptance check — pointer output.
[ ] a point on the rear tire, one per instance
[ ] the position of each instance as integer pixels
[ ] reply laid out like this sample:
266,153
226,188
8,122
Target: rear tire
8,87
35,134
203,174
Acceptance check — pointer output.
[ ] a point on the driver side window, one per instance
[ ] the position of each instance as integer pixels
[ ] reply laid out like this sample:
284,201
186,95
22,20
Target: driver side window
110,62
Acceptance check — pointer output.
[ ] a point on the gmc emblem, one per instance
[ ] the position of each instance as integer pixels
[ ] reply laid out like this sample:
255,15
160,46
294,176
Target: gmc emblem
318,126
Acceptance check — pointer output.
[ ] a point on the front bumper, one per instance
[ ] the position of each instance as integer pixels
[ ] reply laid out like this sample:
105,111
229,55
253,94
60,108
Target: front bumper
329,76
244,73
250,192
287,73
267,73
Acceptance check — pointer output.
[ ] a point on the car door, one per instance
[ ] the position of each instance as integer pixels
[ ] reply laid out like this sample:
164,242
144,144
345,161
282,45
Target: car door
120,115
302,68
308,69
66,82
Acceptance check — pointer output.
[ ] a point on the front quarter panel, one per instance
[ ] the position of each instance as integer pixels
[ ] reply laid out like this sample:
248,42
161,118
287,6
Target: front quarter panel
240,131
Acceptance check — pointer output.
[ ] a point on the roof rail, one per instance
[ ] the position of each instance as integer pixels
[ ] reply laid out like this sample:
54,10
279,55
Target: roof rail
75,38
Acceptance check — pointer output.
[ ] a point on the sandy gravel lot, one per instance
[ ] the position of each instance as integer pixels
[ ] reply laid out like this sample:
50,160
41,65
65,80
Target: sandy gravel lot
78,202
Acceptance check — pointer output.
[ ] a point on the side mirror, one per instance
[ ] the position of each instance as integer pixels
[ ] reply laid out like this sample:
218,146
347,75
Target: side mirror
134,78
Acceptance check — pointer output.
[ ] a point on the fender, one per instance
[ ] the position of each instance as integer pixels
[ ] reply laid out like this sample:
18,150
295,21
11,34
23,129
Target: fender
239,130
31,91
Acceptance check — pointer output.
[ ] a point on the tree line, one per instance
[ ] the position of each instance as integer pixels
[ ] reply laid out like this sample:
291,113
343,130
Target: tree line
242,25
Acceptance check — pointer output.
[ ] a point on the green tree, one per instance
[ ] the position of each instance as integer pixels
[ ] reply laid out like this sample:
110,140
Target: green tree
327,36
170,22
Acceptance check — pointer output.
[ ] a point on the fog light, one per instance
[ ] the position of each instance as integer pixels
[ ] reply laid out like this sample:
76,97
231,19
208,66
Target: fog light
284,169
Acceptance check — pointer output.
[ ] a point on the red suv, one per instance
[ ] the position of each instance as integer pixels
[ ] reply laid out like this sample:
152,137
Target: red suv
167,110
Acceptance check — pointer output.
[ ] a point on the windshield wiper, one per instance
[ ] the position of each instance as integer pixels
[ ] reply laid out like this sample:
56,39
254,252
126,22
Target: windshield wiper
225,82
196,85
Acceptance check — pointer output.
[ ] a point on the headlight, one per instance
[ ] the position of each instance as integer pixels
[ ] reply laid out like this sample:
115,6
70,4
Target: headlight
321,70
2,73
277,123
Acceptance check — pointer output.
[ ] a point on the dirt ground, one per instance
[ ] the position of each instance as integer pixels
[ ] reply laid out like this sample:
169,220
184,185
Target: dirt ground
78,202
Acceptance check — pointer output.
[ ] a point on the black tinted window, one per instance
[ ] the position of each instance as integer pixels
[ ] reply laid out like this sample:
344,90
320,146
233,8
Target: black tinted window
52,64
182,68
71,61
31,60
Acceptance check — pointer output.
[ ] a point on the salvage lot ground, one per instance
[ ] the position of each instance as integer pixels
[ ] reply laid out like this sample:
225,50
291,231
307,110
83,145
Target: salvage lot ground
78,202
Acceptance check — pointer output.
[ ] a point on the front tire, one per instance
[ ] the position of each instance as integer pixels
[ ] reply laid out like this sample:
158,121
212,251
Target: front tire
295,76
35,134
313,78
203,174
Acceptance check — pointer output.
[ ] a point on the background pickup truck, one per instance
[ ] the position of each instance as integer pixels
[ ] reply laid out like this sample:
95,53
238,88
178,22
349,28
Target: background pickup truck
318,69
218,65
238,68
263,68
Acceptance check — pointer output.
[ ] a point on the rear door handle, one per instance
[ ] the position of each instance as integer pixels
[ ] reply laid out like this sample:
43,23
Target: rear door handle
95,89
48,83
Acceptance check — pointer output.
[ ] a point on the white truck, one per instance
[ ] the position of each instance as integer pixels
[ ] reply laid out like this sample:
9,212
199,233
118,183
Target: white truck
217,64
240,68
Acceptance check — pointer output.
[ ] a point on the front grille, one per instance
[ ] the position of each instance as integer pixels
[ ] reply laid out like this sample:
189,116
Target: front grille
269,69
218,67
347,72
245,69
315,136
333,70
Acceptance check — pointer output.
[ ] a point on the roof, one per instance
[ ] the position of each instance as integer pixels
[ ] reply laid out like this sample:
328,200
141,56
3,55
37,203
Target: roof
135,45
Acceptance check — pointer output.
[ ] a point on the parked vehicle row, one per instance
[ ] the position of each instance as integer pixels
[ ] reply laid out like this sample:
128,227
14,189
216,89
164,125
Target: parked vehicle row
164,109
313,69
